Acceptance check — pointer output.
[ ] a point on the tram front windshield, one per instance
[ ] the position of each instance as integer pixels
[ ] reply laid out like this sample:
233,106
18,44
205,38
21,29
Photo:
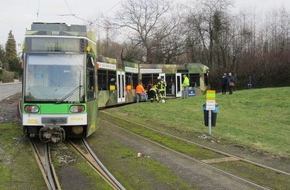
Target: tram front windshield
54,78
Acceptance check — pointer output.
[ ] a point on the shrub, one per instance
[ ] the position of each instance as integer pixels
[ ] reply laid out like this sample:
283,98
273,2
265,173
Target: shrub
7,76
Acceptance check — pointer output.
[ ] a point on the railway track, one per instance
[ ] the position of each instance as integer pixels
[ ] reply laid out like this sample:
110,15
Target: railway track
42,155
225,163
86,152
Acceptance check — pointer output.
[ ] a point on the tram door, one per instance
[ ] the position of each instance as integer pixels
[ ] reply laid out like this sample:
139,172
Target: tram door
178,85
121,86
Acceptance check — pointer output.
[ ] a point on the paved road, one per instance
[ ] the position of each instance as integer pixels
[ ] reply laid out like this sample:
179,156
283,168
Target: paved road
8,89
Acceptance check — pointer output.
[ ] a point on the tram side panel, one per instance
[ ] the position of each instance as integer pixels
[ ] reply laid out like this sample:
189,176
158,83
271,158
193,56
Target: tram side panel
112,90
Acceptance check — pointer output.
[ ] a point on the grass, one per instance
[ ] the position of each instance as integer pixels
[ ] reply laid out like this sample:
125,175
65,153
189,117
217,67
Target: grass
257,174
18,169
257,118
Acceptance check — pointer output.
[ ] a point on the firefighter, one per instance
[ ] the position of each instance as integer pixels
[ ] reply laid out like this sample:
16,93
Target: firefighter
152,94
161,86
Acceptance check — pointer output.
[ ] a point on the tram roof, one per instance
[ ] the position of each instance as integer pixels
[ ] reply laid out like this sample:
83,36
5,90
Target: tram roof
42,28
173,68
197,68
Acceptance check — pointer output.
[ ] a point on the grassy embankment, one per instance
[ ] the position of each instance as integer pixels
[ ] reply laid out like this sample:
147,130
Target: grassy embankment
257,119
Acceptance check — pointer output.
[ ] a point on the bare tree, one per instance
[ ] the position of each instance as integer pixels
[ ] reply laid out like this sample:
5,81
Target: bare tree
209,20
153,28
261,47
209,33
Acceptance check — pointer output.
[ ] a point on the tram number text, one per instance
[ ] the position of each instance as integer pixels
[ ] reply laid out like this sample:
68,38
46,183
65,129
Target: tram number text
77,119
32,121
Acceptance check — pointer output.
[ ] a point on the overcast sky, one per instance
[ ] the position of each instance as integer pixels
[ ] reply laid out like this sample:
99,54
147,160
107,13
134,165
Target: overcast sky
17,15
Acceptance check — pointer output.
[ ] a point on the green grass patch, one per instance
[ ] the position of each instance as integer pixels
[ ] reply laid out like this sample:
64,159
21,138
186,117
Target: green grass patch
18,169
256,174
257,118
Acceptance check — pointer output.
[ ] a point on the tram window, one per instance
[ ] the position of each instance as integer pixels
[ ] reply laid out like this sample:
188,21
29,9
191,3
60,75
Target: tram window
146,79
129,81
67,77
155,80
112,80
194,80
206,79
170,83
135,79
106,78
90,62
90,85
91,89
102,80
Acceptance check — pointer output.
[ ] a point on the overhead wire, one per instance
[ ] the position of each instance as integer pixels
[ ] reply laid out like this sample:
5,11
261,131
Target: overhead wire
90,22
67,5
37,14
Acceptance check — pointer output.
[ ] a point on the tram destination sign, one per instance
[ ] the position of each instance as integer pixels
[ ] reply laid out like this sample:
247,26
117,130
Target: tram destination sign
50,44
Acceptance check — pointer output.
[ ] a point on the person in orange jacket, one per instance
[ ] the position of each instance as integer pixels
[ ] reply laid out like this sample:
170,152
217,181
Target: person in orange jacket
141,92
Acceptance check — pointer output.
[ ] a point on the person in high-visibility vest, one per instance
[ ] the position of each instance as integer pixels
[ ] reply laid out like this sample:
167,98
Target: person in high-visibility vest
161,85
185,86
152,94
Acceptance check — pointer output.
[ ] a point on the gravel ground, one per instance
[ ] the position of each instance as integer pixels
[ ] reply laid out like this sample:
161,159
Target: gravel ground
9,109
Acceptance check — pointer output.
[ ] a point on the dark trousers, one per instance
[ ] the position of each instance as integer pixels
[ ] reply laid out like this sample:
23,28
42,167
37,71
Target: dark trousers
231,89
224,89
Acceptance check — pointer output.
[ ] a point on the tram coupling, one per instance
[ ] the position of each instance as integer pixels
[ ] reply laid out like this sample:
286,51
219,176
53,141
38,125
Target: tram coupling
52,133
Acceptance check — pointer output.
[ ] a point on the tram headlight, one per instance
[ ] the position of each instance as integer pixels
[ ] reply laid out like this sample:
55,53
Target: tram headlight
31,109
77,109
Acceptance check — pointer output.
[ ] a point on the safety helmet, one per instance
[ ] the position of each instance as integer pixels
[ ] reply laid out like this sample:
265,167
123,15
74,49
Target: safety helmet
159,77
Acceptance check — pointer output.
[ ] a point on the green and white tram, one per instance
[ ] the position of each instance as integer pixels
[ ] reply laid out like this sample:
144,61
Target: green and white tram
59,82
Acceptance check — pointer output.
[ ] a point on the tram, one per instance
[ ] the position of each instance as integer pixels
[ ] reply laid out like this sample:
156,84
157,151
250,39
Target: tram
59,93
65,83
117,81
